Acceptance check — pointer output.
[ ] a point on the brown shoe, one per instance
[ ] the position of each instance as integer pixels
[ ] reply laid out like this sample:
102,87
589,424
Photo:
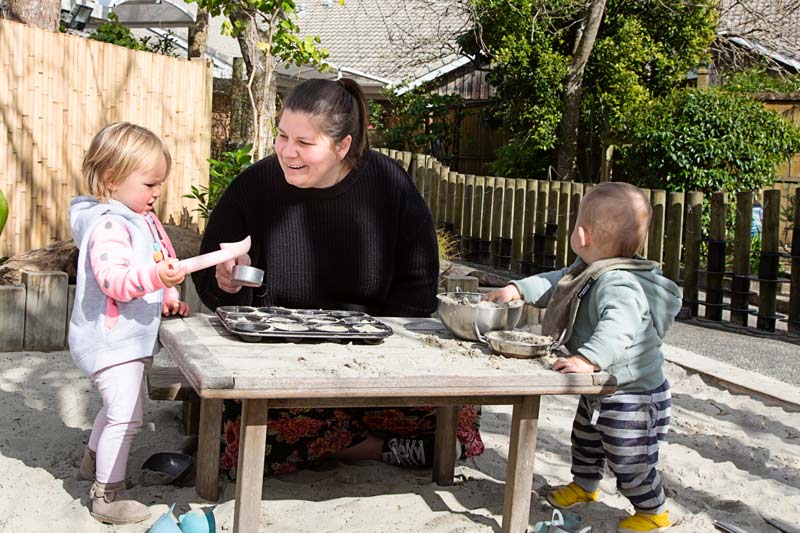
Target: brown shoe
109,505
88,465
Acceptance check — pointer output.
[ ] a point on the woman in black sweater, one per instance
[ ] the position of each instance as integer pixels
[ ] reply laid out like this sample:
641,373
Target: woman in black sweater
334,225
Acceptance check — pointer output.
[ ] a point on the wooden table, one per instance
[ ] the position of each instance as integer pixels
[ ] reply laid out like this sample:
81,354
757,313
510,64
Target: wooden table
420,364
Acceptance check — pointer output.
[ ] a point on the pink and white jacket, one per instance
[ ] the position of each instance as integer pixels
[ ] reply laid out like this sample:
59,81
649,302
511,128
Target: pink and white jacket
118,294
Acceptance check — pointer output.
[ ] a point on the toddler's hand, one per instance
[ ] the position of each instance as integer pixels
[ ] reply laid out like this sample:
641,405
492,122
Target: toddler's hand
506,294
577,364
223,274
170,273
175,307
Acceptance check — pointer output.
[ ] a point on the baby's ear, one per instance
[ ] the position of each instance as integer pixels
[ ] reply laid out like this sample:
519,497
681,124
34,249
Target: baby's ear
582,235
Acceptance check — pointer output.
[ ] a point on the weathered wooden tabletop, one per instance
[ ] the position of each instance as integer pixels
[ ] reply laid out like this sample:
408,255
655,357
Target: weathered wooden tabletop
421,358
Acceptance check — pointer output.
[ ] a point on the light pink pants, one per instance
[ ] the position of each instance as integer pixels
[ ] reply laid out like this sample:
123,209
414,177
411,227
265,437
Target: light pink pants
121,387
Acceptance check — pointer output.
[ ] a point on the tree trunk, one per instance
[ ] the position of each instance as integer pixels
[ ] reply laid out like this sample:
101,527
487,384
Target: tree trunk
567,155
261,85
198,34
43,14
241,112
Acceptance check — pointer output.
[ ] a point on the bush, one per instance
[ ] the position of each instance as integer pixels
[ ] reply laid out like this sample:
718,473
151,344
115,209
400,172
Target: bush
221,173
706,140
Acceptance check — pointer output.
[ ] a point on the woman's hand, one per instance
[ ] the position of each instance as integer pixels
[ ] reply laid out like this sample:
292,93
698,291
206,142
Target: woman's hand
223,274
577,364
170,272
506,294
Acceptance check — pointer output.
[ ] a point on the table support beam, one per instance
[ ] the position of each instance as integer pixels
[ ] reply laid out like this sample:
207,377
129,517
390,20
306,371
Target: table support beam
250,470
519,471
444,460
208,449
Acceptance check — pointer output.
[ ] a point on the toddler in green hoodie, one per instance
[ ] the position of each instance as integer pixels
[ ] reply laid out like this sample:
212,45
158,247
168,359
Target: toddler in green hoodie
613,309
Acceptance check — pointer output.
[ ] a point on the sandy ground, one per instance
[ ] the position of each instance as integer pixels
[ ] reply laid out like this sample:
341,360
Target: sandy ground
728,457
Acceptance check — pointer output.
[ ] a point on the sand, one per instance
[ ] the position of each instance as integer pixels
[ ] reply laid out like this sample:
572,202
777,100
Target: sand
728,457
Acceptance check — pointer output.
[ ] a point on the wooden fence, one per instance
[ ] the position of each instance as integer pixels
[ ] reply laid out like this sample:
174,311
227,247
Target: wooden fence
57,91
524,225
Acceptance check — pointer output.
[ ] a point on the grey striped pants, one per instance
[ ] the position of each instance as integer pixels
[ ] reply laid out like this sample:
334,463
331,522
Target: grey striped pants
625,430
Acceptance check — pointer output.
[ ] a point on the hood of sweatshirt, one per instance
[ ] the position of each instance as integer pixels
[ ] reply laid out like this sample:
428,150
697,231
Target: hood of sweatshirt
85,210
663,295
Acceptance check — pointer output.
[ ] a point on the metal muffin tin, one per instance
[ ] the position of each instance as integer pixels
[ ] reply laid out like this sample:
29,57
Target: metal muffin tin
253,324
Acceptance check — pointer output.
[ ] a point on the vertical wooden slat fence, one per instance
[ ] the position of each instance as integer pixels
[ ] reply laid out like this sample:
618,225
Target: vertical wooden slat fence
57,91
525,224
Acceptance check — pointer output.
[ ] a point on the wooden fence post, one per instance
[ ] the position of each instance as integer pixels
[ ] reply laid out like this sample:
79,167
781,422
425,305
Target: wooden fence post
551,225
45,310
674,230
562,238
794,288
467,229
528,224
450,204
574,203
12,318
434,174
740,282
518,231
716,256
486,220
693,235
543,197
498,212
458,205
770,260
655,239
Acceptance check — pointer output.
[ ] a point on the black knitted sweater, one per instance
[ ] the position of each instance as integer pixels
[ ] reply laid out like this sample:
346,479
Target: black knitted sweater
367,243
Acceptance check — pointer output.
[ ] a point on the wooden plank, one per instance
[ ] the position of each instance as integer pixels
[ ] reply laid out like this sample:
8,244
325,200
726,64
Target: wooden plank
498,212
770,246
444,459
458,205
716,237
208,449
519,470
450,203
674,230
12,318
469,196
693,234
250,471
529,221
562,238
488,214
655,240
435,178
518,228
740,283
460,284
45,310
574,205
168,383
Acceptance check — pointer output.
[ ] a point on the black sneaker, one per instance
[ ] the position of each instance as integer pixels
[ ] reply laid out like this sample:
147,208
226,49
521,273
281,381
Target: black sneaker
408,452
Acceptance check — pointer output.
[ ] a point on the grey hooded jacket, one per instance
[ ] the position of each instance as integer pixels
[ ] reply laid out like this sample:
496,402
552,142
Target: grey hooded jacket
134,334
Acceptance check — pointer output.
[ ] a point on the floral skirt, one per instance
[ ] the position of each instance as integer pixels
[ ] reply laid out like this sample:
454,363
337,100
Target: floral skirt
299,438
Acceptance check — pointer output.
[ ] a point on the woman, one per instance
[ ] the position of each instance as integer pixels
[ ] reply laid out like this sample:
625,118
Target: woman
334,225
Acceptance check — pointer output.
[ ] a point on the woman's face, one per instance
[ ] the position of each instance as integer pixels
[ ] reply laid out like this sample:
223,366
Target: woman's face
308,157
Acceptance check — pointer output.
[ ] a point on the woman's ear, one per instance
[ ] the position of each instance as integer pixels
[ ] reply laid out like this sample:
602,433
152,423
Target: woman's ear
343,146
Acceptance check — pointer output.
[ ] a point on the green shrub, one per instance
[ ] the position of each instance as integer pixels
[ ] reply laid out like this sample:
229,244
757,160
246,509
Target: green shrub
114,32
706,140
221,173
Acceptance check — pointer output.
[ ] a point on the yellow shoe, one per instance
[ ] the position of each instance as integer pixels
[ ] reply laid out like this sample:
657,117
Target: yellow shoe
645,522
569,495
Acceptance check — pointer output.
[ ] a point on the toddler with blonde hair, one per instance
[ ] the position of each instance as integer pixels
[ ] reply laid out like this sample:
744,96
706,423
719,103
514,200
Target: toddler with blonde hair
126,280
613,309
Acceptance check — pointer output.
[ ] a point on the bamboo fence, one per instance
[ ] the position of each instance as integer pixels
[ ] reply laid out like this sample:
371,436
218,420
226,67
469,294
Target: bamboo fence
57,91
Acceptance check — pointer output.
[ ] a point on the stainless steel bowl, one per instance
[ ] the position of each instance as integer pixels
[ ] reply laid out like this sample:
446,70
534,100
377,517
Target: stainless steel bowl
462,319
247,275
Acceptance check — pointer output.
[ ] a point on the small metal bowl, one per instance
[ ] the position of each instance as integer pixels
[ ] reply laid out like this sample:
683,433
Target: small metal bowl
247,275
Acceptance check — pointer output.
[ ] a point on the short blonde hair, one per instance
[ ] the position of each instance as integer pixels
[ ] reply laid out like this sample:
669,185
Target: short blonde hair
116,151
618,217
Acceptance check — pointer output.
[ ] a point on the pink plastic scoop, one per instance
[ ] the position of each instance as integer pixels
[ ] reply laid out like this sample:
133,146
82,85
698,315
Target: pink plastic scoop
227,251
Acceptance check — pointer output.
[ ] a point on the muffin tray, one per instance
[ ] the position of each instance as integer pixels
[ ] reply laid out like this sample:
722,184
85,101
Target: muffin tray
253,324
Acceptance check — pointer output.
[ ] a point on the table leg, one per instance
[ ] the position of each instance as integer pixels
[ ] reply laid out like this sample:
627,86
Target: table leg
250,470
444,460
208,448
519,471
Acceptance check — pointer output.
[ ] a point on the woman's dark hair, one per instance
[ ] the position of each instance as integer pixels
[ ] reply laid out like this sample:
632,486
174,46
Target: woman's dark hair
340,109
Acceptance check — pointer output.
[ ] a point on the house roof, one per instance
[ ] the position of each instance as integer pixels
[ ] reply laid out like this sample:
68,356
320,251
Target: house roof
768,27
